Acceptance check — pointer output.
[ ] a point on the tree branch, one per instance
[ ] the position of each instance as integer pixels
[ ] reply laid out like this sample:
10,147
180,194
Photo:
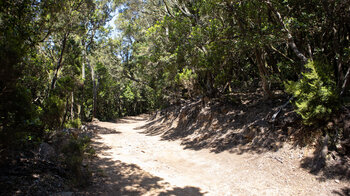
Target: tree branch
346,82
289,34
59,63
167,9
279,52
184,11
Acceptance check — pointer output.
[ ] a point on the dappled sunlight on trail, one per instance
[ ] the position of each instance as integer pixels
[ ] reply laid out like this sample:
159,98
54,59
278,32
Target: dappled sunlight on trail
130,162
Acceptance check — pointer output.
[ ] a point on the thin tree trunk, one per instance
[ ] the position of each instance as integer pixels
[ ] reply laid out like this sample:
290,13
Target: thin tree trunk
167,9
94,91
81,111
291,42
340,73
346,82
261,64
82,108
65,112
211,91
83,64
59,63
72,107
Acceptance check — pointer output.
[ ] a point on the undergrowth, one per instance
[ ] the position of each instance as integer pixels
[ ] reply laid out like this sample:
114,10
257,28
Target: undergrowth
75,151
316,96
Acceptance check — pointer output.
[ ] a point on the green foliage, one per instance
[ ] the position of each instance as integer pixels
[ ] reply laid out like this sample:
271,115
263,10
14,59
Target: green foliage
74,152
162,50
315,93
185,76
75,123
54,108
128,94
20,123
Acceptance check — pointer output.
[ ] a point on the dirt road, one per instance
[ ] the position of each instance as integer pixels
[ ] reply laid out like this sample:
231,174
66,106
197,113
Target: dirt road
131,163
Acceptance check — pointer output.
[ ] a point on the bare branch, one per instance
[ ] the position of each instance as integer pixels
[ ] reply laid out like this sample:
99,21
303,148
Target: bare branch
183,10
289,34
279,52
167,9
346,82
59,63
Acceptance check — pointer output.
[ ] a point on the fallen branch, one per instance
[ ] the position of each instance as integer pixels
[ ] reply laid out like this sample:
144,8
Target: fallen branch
275,115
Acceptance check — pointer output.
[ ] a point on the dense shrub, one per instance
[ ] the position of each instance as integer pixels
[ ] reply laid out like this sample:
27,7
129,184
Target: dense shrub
75,123
19,118
53,112
316,96
75,151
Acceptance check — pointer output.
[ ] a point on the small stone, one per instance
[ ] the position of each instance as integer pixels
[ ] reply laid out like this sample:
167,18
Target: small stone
337,181
46,151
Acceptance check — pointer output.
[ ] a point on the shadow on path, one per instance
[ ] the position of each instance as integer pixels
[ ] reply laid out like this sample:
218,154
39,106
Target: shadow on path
95,129
218,126
244,128
335,169
113,177
342,192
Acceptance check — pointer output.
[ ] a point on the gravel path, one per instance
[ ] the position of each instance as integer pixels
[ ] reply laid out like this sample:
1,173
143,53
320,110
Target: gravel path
132,163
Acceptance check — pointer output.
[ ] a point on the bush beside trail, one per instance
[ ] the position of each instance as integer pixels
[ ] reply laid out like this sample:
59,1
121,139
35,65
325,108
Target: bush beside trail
55,166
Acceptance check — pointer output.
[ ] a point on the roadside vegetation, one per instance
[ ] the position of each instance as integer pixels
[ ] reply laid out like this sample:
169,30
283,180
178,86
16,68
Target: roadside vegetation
61,67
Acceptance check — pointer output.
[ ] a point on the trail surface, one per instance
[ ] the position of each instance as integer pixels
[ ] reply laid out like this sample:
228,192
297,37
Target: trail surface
131,163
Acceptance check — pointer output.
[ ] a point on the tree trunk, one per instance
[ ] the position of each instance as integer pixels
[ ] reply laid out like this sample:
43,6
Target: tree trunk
209,85
65,112
83,66
261,66
94,89
72,107
340,75
291,42
81,110
59,63
346,82
167,10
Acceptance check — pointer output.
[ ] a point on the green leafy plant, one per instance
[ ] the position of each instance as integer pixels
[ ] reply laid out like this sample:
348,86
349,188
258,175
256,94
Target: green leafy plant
75,123
53,111
186,79
315,93
75,151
